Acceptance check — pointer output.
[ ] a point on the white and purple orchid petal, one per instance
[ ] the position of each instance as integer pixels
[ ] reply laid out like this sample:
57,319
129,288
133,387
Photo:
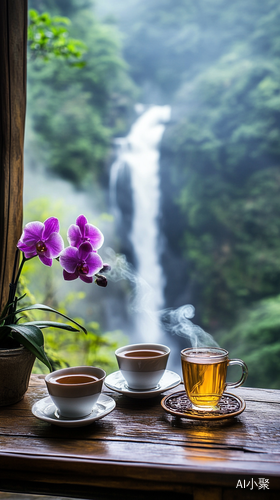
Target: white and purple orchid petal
28,251
74,235
94,263
26,248
54,245
29,254
86,279
84,250
81,221
69,276
94,235
51,225
32,233
69,259
45,260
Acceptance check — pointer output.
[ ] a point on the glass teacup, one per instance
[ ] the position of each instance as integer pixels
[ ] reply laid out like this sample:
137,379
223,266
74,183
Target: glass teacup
204,372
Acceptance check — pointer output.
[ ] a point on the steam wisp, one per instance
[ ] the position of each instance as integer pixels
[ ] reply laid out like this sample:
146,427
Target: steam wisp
170,322
178,322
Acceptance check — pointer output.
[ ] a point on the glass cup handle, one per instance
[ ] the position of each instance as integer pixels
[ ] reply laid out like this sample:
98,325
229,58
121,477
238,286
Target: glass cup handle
244,367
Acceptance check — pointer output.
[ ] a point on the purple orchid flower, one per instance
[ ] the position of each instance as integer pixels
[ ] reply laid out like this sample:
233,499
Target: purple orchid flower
82,262
42,239
82,232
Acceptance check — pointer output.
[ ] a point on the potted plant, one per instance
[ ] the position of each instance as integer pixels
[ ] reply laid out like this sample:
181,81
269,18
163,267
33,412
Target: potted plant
21,341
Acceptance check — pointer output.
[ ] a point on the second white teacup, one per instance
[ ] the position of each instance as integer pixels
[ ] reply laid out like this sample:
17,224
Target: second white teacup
142,365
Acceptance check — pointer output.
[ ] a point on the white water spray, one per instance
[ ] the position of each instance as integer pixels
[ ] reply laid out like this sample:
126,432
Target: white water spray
139,151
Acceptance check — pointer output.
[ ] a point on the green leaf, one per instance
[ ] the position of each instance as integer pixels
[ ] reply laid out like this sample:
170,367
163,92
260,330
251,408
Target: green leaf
63,20
51,324
81,64
42,307
32,338
49,36
33,14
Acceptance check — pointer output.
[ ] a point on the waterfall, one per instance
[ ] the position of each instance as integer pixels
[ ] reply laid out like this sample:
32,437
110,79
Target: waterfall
139,152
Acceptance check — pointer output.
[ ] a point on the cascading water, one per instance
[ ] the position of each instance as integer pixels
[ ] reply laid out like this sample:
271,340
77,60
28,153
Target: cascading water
139,152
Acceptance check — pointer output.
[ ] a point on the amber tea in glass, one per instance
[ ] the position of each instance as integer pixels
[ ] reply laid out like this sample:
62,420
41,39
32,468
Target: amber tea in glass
204,372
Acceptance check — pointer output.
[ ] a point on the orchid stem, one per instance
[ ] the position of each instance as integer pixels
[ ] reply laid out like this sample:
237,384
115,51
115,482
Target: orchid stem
15,265
20,269
13,285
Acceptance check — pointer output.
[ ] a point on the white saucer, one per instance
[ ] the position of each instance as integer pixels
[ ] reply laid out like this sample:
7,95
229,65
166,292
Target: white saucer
116,382
46,410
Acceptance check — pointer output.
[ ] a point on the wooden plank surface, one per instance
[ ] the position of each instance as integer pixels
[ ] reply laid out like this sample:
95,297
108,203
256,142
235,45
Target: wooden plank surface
139,440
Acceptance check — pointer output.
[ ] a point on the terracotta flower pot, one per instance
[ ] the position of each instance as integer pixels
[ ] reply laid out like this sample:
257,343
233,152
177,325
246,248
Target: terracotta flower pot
15,369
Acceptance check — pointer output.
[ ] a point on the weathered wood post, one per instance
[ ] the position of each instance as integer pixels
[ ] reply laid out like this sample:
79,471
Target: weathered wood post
13,42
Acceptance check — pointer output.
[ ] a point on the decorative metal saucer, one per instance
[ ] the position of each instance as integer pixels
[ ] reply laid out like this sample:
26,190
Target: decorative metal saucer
178,404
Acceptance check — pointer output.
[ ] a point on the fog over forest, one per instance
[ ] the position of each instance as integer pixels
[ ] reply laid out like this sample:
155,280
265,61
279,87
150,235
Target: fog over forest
175,112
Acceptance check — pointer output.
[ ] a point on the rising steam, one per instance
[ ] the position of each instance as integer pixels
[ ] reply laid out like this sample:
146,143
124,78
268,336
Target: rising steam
172,321
177,322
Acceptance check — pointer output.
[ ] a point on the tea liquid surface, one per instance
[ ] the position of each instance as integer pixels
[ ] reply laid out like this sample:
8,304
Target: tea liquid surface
75,379
144,353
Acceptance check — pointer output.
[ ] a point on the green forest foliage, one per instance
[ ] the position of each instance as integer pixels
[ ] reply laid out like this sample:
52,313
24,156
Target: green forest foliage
255,339
227,181
227,171
75,111
48,38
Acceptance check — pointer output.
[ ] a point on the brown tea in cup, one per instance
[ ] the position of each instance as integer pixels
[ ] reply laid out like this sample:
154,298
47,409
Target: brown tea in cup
144,353
74,379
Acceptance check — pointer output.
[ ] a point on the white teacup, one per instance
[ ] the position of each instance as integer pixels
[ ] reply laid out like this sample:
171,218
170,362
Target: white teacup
142,365
75,391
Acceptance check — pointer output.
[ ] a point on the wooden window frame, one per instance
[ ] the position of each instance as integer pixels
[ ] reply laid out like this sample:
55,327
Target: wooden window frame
13,59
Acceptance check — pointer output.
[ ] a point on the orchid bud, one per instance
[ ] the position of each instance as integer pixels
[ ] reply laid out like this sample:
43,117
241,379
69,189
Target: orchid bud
105,268
101,281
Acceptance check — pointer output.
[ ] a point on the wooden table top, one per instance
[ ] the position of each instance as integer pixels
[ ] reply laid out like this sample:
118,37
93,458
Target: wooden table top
139,446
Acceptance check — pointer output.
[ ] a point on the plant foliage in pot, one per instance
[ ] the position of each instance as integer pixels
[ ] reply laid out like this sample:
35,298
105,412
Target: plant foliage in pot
21,341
